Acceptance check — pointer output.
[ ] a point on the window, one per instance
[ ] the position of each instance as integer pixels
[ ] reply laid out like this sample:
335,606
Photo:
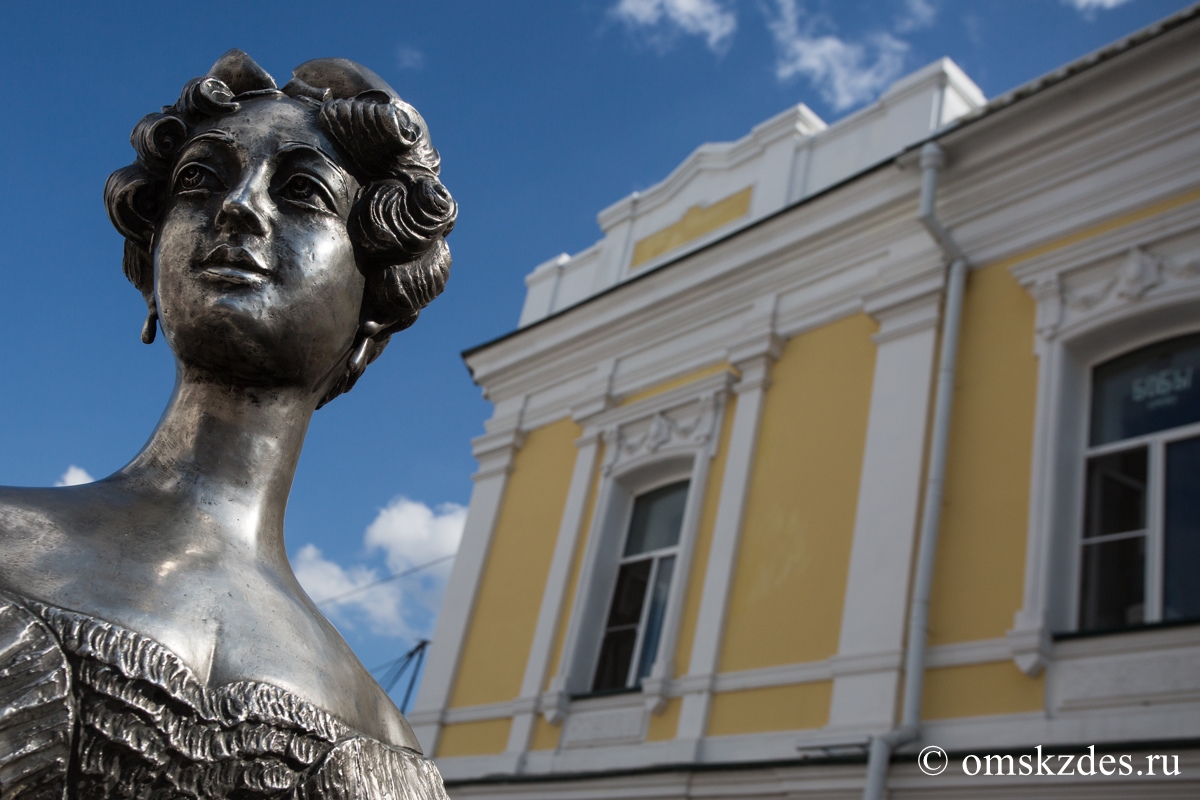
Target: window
1140,560
643,584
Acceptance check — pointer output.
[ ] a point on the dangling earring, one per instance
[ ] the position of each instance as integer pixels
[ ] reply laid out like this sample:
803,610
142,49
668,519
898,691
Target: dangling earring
358,361
150,327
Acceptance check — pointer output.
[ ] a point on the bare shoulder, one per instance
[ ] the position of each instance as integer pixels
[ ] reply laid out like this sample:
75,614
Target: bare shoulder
316,660
30,533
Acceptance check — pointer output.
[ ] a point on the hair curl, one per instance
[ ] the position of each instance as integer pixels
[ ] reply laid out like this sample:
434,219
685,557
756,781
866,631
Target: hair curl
398,223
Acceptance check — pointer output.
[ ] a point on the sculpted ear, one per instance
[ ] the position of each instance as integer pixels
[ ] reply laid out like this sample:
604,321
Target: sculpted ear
132,199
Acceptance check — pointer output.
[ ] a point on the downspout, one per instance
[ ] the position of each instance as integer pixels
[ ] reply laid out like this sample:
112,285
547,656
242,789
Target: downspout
918,614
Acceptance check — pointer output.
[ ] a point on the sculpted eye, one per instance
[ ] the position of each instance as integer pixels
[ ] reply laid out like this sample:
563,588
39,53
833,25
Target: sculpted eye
307,191
196,177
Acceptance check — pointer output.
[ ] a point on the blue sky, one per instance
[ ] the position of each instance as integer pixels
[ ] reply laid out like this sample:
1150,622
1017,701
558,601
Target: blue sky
544,112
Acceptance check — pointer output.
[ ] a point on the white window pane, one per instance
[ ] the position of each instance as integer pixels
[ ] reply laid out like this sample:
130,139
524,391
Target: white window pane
657,518
654,620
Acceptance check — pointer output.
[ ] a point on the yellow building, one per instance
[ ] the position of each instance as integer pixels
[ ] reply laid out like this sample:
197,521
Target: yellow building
943,350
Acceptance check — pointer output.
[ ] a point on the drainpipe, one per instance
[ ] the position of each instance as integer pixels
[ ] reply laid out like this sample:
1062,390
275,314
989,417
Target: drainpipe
918,615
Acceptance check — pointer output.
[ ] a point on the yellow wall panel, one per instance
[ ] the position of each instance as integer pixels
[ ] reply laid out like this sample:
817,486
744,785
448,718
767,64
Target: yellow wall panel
510,593
977,690
487,737
785,604
980,572
696,221
777,708
663,726
708,519
545,735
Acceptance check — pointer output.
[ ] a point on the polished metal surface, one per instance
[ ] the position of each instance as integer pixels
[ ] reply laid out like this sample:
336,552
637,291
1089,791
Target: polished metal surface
279,238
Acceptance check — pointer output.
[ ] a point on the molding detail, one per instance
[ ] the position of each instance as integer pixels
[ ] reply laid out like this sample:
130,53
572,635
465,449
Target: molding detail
908,308
495,451
1069,298
664,431
1030,650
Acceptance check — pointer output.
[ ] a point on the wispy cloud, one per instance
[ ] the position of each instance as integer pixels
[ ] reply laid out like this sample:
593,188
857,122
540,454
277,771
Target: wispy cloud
74,476
846,73
661,21
408,534
409,58
917,14
973,26
1094,5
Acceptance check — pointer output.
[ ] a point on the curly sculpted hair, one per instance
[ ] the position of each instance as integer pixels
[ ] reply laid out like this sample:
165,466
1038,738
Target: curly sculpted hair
399,220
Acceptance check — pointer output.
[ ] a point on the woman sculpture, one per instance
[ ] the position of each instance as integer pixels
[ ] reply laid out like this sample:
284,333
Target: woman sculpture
154,641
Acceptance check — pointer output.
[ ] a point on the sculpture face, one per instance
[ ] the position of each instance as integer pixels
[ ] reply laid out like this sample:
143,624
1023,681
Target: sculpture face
255,273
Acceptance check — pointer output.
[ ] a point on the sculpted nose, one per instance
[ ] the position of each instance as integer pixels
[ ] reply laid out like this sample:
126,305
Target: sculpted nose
241,211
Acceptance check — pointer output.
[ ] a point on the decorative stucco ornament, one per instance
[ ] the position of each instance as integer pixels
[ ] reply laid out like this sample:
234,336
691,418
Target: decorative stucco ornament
154,642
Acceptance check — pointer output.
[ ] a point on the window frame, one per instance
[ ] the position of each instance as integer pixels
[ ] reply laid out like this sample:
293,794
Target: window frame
594,595
1126,289
663,439
632,681
1153,531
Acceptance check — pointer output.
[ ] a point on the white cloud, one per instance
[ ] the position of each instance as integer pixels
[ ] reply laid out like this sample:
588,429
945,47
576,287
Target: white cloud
917,14
409,58
662,20
409,534
845,73
74,476
1092,5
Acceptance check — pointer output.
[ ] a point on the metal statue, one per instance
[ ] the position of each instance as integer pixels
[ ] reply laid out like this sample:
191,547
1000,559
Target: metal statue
154,641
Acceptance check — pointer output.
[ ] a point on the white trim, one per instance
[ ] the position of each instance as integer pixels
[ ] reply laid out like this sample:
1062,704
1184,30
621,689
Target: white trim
833,780
983,651
496,451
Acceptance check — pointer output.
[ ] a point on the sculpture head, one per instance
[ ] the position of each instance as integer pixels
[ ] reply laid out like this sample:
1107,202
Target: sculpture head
283,235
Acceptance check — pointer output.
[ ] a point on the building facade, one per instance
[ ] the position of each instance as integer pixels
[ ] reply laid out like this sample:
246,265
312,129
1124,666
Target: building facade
691,554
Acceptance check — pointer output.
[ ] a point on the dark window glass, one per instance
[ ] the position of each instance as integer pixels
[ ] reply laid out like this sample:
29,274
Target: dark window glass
615,654
657,518
654,619
620,633
1181,568
1116,493
1148,390
1113,587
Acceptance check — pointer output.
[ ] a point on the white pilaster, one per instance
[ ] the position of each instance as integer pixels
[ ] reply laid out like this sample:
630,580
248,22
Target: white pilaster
494,451
876,599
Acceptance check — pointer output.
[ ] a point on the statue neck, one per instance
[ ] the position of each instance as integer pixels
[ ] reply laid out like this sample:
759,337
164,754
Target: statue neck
222,459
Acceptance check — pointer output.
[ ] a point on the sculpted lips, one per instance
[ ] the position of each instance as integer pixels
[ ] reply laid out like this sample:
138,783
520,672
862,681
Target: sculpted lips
234,265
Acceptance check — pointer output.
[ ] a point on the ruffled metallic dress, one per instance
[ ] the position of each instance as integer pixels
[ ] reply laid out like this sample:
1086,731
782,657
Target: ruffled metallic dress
89,709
